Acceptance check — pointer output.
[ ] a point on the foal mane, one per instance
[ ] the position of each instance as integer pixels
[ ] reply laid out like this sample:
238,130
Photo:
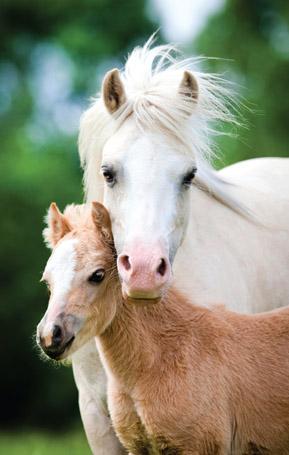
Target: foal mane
78,215
151,78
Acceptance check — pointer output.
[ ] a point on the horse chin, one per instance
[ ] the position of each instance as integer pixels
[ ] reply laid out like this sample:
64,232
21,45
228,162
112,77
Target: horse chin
142,301
140,297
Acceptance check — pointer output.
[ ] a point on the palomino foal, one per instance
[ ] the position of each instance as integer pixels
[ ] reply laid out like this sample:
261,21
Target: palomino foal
182,379
70,237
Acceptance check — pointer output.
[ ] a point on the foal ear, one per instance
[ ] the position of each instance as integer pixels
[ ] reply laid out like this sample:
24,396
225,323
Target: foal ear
57,226
189,86
101,220
113,91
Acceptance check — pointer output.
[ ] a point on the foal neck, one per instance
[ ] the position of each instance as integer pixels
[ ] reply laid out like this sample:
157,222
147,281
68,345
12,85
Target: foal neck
143,338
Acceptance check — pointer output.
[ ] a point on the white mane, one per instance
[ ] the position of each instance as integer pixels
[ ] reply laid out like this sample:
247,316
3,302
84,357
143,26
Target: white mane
151,78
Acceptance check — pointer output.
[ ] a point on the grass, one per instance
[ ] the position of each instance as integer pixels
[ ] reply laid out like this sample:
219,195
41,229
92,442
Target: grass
43,444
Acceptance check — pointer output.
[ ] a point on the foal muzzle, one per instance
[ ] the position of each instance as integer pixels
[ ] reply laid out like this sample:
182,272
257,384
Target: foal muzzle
55,338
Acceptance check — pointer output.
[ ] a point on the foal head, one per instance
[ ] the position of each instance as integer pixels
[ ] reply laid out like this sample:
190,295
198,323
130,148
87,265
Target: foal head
79,270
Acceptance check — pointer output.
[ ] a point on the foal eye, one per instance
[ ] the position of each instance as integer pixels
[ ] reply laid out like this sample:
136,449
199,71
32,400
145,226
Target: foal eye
97,276
109,175
188,178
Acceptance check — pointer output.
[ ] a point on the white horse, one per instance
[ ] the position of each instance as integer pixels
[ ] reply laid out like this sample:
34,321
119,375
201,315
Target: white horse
145,147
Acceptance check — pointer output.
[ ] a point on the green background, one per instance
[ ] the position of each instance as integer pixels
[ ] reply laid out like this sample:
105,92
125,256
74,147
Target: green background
53,56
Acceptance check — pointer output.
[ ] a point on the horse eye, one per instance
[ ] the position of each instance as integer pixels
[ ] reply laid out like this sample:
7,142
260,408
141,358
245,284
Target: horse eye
109,175
97,276
188,178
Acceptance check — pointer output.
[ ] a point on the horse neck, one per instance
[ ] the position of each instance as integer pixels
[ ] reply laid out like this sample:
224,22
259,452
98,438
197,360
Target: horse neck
143,337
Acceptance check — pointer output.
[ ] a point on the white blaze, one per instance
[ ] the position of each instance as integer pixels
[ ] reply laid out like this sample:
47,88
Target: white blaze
60,271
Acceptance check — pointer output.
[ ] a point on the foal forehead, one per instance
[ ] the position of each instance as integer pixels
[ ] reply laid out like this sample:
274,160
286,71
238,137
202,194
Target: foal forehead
63,259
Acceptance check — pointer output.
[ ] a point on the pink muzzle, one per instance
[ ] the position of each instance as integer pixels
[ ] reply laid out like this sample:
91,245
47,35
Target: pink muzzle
144,271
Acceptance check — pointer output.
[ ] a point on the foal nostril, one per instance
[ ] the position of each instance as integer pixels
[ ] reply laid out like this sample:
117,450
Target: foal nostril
124,260
162,267
57,335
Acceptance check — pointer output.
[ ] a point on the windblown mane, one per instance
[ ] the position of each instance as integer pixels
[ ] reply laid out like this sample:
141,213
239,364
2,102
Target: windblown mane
151,79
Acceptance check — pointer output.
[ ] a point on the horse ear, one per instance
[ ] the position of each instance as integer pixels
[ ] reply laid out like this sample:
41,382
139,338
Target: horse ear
113,91
101,219
189,86
57,226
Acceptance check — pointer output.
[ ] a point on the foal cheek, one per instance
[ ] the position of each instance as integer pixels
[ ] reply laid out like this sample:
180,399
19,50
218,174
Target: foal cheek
79,302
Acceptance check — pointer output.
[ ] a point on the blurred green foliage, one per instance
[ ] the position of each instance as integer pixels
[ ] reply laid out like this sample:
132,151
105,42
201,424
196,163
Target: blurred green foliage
254,36
53,56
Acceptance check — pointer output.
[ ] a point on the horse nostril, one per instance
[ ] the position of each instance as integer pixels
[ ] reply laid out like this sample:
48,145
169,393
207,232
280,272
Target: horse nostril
56,335
162,267
124,260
